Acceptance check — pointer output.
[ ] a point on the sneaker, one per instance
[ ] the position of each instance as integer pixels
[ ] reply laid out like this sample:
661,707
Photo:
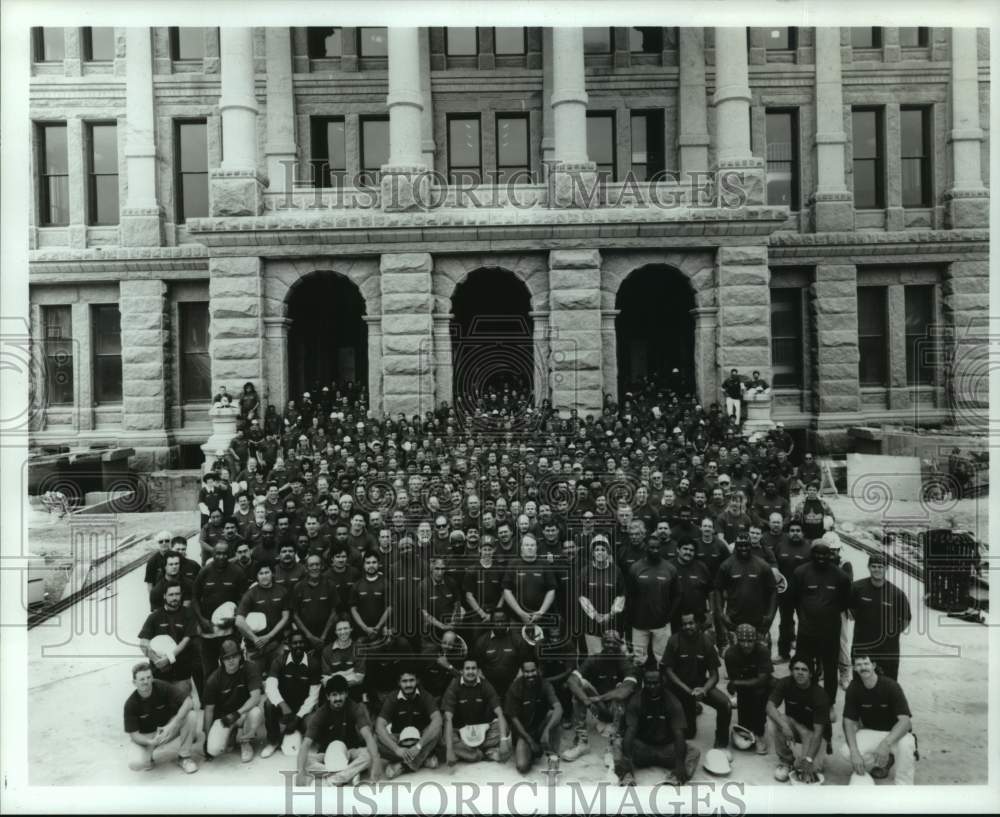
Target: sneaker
246,752
761,745
578,749
432,762
356,780
782,773
188,765
268,750
627,779
393,770
492,754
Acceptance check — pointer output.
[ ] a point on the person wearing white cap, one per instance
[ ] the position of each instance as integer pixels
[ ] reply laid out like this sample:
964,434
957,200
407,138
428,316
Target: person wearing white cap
291,691
232,704
408,727
342,730
159,718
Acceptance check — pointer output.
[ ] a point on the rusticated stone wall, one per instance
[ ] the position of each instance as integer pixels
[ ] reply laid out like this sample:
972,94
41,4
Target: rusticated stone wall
834,295
236,329
407,333
744,317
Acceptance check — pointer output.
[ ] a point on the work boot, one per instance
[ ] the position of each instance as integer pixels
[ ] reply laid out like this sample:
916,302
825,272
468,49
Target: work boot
579,748
761,745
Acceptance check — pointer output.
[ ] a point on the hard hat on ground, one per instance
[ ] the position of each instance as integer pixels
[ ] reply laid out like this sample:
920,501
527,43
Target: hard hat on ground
743,738
410,736
716,762
335,759
290,744
474,734
218,738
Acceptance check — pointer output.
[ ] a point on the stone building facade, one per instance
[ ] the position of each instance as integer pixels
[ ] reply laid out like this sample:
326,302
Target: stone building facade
822,217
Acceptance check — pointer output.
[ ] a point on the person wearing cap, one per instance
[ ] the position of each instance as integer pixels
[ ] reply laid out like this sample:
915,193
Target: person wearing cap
529,584
797,734
232,703
218,582
267,603
652,595
471,701
414,711
209,497
877,724
178,623
790,552
159,718
602,593
745,590
291,691
342,720
881,612
535,715
750,676
654,733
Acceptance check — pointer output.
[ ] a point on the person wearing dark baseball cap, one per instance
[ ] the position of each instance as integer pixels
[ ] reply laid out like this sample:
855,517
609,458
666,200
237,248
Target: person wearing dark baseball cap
232,703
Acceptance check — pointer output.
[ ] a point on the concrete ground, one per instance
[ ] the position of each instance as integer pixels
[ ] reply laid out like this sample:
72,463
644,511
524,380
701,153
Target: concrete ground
78,679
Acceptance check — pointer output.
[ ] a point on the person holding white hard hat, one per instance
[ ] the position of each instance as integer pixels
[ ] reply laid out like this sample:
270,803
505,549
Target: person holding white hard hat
232,704
291,691
262,616
218,583
166,639
408,727
798,732
474,724
159,719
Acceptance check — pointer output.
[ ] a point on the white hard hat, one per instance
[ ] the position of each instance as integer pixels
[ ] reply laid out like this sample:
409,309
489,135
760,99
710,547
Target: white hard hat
218,738
716,762
474,734
410,736
257,622
163,644
861,780
335,759
782,583
532,634
743,738
290,744
224,614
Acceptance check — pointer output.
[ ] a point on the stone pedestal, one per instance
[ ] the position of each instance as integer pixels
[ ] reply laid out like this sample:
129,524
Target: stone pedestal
573,184
407,333
405,187
758,419
236,193
141,227
967,208
833,212
223,432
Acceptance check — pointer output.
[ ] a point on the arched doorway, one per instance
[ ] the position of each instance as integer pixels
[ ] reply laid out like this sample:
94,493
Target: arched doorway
655,330
327,335
492,343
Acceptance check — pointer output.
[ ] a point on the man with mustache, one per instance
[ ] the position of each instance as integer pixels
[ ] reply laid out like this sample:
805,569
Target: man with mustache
535,714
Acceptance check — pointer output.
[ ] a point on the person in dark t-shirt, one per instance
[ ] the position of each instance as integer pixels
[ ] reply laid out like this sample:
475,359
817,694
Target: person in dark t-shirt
159,718
339,719
881,612
749,669
232,703
805,721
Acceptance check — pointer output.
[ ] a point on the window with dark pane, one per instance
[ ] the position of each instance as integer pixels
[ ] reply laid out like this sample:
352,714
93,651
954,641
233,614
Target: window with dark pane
53,168
325,42
866,37
601,143
645,40
329,151
915,156
869,186
913,37
782,158
98,44
374,148
779,39
373,42
872,340
647,144
920,335
106,321
462,42
48,44
464,149
508,41
597,40
191,161
102,175
187,43
786,337
195,362
513,164
58,328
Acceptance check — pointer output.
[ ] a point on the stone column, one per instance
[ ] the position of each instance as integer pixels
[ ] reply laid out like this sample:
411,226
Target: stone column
407,333
38,393
275,388
236,186
540,355
744,315
141,217
237,332
573,175
443,370
375,402
967,353
76,155
405,179
706,375
548,125
894,216
609,345
692,104
833,207
83,370
968,200
73,52
428,147
732,117
145,323
575,370
279,150
899,393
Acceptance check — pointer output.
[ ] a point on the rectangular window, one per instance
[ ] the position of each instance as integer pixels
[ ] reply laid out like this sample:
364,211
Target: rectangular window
508,41
597,40
329,151
780,39
373,42
187,43
869,170
462,42
913,37
374,148
324,42
601,143
107,353
513,163
866,37
58,328
195,361
645,40
191,161
872,341
919,335
915,156
49,44
464,149
98,44
782,135
647,145
53,168
102,174
786,337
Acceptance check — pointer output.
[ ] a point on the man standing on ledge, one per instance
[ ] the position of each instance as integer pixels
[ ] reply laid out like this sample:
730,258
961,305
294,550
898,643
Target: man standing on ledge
733,388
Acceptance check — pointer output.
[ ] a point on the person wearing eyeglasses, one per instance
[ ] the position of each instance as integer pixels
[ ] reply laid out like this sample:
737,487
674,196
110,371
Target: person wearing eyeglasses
155,563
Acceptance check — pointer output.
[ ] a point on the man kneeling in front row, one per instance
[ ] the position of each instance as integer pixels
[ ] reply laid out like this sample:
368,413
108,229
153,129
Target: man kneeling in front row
159,718
474,724
408,727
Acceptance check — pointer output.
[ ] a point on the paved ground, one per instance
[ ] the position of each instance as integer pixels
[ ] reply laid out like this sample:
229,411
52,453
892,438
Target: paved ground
78,678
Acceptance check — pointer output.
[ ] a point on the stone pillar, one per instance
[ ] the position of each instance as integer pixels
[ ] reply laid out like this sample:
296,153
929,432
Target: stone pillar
38,394
275,389
145,322
899,393
692,104
574,175
407,333
443,369
734,159
405,179
548,125
279,150
76,155
428,147
968,201
141,217
744,315
73,52
540,355
237,332
894,217
967,354
575,370
706,375
609,345
83,370
236,186
833,206
836,392
375,402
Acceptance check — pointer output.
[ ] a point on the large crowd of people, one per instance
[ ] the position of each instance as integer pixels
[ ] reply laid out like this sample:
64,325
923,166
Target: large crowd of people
377,596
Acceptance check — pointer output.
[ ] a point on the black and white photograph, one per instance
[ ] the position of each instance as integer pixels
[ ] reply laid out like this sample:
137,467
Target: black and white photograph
436,408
